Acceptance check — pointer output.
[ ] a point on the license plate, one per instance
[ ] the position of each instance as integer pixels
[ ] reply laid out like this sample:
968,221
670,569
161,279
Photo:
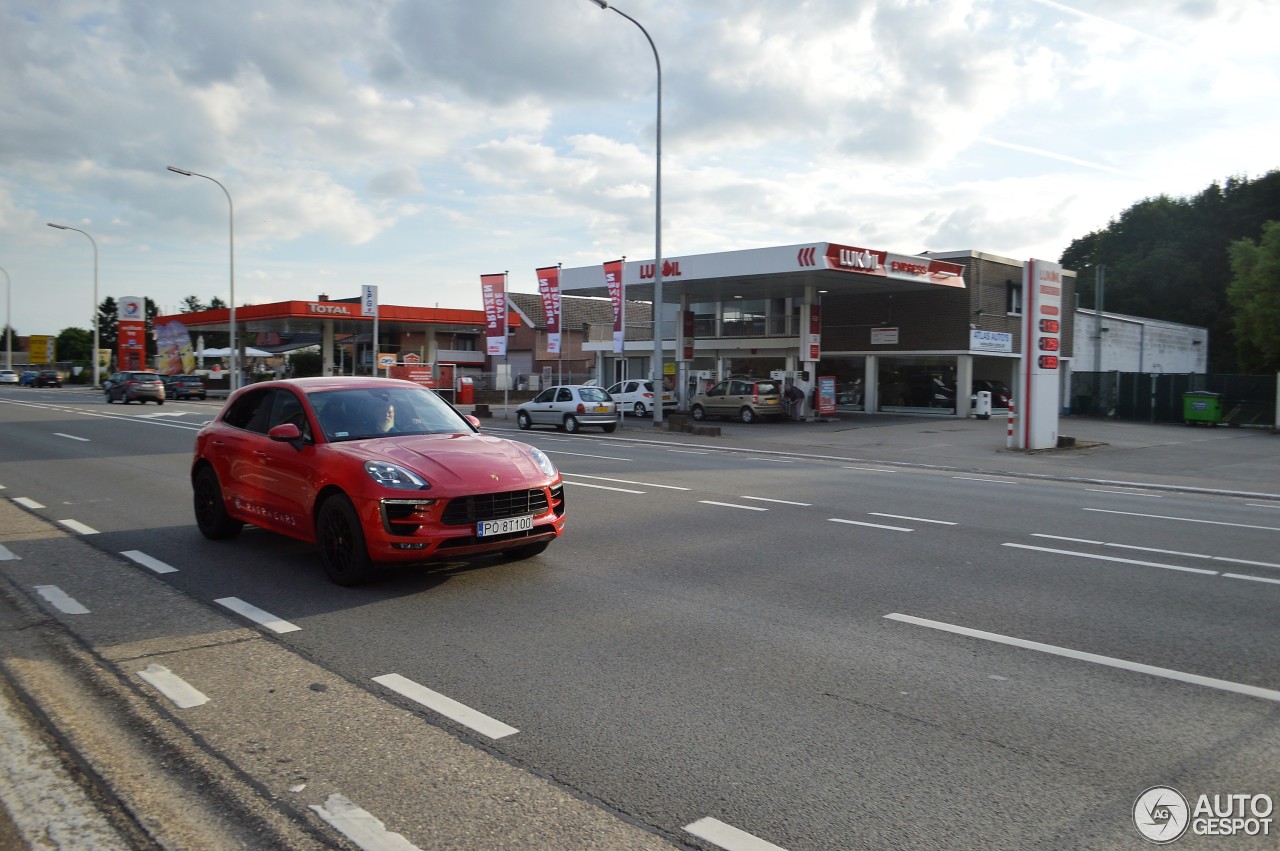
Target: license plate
504,526
602,409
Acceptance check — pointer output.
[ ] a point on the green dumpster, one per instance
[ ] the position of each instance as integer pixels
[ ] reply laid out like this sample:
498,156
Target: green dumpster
1201,406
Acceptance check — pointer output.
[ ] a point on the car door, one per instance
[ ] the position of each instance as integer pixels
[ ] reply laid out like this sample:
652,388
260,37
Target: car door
715,403
542,408
288,468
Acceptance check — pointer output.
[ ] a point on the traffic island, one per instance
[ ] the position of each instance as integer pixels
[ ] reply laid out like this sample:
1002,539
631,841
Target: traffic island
681,423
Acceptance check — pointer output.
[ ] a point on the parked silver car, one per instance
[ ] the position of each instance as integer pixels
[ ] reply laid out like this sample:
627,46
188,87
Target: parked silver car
570,406
635,396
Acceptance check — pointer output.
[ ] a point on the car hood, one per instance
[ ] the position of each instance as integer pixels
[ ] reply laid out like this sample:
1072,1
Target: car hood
447,460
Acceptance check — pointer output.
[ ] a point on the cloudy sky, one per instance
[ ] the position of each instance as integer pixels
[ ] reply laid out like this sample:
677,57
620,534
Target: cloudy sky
417,144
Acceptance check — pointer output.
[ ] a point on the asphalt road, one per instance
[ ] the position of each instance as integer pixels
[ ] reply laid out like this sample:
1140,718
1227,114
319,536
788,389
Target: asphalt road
724,645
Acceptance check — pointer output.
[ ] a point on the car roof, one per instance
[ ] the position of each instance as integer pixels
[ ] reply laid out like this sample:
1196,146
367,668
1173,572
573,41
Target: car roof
335,382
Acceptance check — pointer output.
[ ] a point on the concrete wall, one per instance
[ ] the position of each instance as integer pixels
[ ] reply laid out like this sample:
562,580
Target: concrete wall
1135,344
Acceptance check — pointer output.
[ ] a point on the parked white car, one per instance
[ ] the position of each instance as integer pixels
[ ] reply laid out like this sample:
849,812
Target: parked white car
635,396
8,376
570,407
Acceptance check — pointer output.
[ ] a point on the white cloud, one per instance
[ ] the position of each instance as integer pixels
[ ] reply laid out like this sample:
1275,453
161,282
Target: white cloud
417,145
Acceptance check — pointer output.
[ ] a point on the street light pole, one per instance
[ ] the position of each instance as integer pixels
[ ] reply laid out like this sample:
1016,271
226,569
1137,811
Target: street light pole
656,367
8,320
235,351
95,296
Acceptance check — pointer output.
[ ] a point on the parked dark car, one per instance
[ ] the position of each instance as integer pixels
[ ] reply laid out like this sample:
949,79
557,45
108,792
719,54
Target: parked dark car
184,387
48,378
137,387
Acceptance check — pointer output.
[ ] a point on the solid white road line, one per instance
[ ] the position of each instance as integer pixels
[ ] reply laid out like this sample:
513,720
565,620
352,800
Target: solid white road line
178,690
71,437
77,526
1124,664
869,469
148,562
1156,550
1113,558
872,525
1126,493
599,487
61,600
779,501
446,706
729,837
360,826
7,554
257,615
989,481
688,451
917,519
27,503
1250,578
584,455
1186,519
626,482
732,505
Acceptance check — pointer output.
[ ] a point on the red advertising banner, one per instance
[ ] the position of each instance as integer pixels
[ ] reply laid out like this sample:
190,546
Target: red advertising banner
613,279
493,290
826,395
549,289
687,329
814,341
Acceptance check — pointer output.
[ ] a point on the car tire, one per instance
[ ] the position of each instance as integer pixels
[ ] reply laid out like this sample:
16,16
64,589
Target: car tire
342,548
528,550
211,509
522,420
107,393
124,398
610,428
698,413
640,410
159,401
571,424
747,415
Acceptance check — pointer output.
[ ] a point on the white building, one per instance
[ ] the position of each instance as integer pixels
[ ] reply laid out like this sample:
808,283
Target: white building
1136,344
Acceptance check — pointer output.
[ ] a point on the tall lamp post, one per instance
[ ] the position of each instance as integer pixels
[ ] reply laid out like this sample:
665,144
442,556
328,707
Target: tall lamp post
95,296
8,321
656,369
235,351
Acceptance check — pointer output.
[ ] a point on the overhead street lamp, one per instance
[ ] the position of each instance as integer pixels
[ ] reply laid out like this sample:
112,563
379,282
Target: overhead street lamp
656,368
8,321
95,296
235,351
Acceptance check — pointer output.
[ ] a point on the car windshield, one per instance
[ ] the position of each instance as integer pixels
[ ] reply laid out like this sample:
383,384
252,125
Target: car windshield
384,412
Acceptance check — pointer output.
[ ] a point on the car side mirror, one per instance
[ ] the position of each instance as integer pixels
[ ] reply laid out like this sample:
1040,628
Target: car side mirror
286,433
474,420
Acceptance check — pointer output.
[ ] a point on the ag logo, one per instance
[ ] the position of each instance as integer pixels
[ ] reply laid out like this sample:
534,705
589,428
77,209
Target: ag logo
1161,814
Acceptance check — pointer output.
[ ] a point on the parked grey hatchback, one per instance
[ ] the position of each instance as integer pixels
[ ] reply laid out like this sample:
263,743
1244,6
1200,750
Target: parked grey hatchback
134,387
747,399
570,406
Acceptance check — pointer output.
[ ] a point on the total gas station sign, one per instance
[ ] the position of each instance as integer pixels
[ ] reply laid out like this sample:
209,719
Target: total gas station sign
1039,374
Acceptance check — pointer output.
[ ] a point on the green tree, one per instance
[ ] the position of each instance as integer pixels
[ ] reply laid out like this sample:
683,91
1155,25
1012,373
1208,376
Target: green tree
1254,294
191,304
74,344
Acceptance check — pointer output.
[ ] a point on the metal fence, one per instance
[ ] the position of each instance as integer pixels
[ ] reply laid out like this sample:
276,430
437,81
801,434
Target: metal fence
1247,400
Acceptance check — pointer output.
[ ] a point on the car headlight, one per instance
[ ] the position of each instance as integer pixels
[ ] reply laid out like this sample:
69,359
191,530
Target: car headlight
394,476
543,462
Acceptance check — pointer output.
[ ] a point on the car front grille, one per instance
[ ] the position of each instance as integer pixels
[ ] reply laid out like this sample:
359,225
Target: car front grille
467,510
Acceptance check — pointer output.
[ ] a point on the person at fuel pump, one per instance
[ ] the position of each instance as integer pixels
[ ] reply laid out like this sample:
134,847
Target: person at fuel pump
794,398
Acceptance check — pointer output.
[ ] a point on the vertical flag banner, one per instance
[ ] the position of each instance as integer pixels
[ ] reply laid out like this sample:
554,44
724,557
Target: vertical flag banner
549,289
369,301
613,279
493,289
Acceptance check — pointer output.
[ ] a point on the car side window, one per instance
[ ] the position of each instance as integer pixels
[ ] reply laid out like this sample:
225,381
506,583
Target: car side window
632,386
739,388
615,390
251,411
545,396
565,395
287,409
718,390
